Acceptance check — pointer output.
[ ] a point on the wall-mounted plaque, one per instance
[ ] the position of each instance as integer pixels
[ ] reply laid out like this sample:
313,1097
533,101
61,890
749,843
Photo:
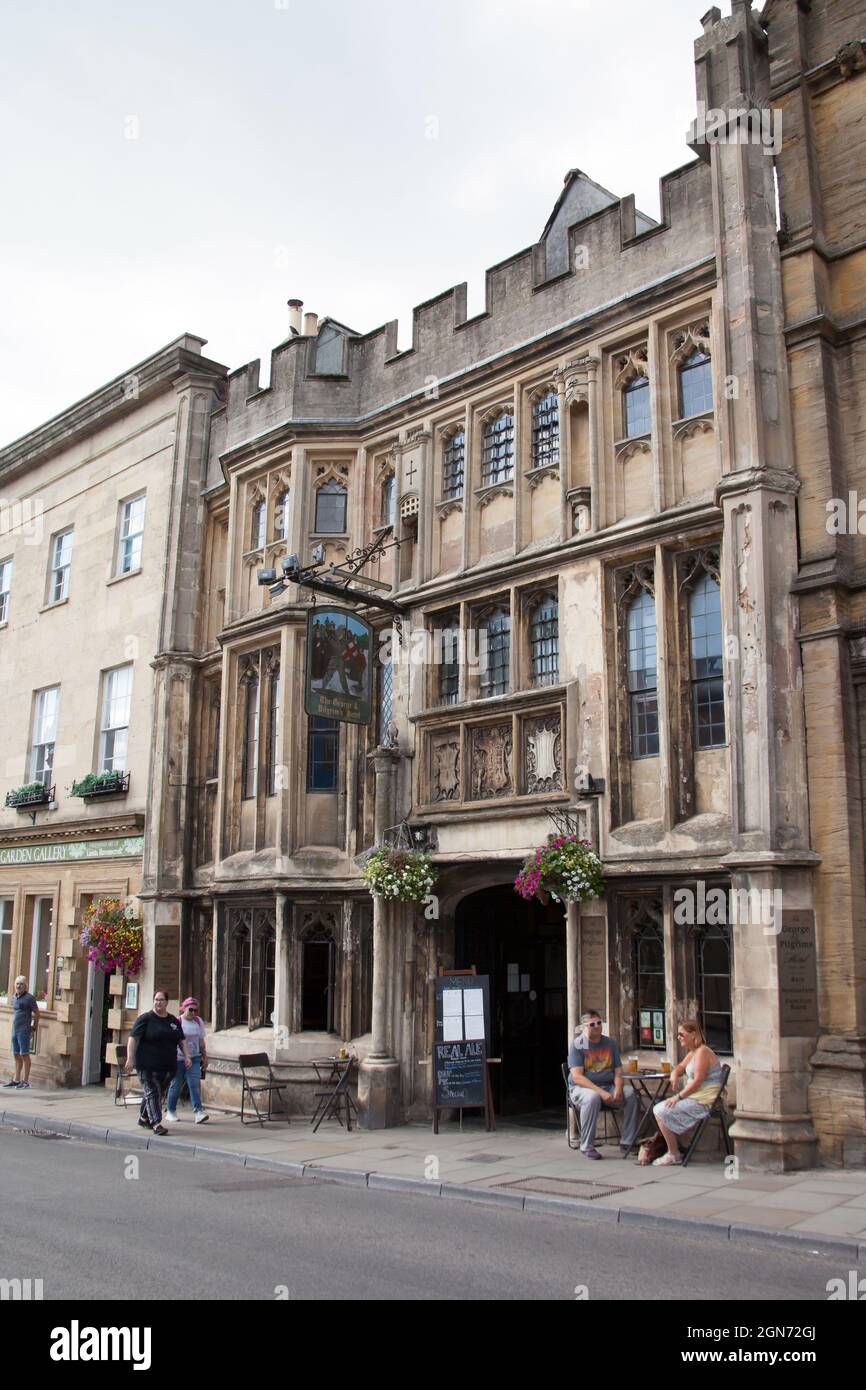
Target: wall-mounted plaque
798,974
593,964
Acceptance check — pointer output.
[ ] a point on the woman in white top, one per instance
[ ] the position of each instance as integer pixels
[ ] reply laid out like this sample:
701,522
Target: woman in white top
703,1079
193,1036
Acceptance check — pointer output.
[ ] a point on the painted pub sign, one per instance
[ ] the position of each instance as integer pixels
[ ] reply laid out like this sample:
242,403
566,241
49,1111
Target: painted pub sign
340,654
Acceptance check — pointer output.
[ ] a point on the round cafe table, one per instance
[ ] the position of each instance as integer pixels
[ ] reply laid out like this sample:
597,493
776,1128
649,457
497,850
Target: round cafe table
651,1086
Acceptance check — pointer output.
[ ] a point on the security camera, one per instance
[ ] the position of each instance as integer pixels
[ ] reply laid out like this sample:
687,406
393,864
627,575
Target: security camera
319,555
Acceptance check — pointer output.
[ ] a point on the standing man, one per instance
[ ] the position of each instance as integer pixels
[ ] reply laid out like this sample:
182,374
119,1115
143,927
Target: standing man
24,1012
595,1067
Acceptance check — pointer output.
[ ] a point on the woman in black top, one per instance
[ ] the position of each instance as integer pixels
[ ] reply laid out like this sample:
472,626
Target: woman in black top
152,1051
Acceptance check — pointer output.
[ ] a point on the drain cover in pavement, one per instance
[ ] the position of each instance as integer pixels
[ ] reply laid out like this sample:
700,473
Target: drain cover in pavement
40,1133
565,1187
486,1158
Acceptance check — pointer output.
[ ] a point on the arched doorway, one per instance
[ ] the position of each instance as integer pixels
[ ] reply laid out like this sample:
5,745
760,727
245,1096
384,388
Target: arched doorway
521,946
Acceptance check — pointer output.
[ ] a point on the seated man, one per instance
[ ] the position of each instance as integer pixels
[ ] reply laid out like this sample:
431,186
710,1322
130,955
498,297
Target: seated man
595,1068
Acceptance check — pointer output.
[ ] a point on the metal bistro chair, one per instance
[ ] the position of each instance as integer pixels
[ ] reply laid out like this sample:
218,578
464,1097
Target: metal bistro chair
248,1061
571,1109
331,1102
717,1112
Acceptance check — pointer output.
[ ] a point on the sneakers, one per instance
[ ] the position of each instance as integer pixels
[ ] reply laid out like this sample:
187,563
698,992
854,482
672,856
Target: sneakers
201,1118
158,1129
145,1124
10,1085
171,1117
24,1085
591,1153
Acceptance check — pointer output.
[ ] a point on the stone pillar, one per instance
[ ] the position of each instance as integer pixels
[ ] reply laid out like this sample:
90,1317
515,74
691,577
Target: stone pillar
572,936
774,1016
379,1101
282,995
379,1098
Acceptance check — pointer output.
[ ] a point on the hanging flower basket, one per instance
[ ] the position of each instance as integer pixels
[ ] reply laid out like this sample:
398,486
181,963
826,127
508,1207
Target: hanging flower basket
401,875
113,937
566,868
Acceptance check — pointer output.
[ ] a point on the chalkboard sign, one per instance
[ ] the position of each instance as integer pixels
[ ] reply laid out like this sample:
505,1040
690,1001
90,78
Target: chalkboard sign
460,1047
459,1073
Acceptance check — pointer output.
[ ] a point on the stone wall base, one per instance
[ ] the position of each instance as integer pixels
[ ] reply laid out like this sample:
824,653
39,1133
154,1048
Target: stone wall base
837,1098
774,1144
379,1097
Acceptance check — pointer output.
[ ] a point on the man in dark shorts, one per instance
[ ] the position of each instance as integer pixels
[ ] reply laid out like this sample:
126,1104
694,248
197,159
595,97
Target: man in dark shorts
24,1009
152,1051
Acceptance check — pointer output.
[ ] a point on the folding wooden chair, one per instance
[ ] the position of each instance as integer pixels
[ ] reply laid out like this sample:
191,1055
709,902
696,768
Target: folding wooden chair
331,1102
249,1061
571,1109
717,1112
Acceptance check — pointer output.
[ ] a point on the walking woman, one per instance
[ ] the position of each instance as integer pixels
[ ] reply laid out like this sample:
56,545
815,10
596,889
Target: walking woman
703,1078
152,1050
194,1036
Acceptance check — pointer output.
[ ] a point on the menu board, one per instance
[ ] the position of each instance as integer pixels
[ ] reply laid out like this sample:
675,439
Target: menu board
460,1046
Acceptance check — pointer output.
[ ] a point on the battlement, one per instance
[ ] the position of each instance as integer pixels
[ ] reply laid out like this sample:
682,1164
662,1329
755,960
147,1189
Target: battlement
596,251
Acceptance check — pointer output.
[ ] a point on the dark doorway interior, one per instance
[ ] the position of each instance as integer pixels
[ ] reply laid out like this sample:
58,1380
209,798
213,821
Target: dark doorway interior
317,986
521,946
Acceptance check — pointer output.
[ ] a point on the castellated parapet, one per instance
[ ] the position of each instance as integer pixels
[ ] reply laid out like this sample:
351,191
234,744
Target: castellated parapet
614,253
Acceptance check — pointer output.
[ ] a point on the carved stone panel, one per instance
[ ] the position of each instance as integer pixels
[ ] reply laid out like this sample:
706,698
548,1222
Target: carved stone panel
542,754
445,765
490,761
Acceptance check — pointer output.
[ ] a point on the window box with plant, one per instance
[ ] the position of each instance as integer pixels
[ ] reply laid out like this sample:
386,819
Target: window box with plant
30,795
101,784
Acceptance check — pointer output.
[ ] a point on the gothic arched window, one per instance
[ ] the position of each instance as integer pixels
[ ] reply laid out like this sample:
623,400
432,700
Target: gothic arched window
257,526
495,672
453,461
544,641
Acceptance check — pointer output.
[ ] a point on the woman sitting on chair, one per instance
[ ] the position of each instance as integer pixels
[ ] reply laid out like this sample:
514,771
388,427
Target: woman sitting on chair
681,1112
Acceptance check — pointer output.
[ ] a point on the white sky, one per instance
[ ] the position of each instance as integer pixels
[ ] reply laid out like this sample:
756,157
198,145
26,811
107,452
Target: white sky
282,149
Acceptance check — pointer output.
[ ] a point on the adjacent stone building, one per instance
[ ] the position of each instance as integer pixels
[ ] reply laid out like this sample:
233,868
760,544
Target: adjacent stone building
91,532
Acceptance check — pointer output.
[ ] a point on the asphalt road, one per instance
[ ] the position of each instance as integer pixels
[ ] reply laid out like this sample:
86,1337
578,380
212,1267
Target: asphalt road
189,1228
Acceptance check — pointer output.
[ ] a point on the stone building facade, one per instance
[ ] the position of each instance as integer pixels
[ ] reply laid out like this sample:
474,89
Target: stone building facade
616,477
617,480
92,503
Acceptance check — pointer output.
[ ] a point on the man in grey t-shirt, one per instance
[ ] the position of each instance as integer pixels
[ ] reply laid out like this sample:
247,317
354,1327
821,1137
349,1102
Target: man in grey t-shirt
595,1080
24,1008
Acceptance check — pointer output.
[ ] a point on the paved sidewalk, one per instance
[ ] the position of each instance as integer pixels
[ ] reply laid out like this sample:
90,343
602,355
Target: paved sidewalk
821,1209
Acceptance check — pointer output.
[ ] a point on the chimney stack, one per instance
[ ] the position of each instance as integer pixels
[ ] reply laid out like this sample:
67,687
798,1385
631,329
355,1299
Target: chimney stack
295,307
311,325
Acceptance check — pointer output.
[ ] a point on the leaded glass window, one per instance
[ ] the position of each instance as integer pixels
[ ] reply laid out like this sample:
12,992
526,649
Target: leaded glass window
331,509
642,678
453,465
636,407
545,430
497,457
495,670
705,636
544,642
696,385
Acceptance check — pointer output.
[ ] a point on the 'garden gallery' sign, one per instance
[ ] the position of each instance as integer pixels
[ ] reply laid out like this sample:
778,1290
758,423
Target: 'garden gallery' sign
126,847
339,677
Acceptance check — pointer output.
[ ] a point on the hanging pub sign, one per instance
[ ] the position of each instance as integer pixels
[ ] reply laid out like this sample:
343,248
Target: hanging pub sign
339,678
